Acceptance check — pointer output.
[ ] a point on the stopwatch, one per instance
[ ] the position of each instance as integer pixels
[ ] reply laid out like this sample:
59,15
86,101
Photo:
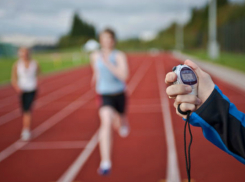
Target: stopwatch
185,75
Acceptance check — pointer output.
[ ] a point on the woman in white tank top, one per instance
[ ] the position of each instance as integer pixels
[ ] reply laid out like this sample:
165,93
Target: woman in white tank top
27,80
24,81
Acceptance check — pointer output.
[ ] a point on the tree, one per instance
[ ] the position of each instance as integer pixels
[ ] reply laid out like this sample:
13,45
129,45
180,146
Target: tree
80,32
222,2
81,28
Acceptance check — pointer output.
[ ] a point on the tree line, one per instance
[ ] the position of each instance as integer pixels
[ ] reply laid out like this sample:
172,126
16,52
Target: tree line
230,23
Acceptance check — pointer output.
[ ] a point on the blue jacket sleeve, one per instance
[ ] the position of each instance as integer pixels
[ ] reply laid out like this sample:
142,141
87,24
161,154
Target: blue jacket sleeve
222,124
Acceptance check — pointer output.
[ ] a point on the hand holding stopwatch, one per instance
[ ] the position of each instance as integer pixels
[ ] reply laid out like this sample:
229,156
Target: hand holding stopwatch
185,75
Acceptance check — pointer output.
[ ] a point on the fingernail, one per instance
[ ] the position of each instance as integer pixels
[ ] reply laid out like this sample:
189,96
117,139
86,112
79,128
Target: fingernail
188,88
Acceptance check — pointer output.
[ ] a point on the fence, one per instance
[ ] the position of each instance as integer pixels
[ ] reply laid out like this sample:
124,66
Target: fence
231,36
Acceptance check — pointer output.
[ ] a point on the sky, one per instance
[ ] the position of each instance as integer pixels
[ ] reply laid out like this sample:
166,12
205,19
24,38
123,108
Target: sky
130,18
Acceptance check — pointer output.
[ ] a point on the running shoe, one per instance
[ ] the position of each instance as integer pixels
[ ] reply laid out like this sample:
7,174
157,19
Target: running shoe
25,135
104,172
124,131
105,168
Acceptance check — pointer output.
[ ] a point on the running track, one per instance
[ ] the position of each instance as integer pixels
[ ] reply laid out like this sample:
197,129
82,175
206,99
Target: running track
64,145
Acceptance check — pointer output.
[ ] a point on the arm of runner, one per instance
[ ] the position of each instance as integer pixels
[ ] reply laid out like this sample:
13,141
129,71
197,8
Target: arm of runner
38,72
92,58
14,78
121,69
221,122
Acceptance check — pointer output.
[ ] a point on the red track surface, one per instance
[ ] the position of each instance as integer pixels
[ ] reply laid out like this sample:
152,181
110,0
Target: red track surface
140,157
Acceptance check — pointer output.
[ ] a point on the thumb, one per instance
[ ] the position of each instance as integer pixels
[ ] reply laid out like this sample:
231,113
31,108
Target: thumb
194,66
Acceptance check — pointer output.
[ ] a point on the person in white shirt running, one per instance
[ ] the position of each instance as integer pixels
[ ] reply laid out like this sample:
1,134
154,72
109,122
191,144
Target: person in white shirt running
24,81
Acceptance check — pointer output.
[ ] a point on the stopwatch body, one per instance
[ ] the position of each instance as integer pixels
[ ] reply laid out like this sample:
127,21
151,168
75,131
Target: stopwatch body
185,75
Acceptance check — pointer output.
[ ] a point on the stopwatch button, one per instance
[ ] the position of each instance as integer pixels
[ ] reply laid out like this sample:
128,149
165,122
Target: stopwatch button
174,68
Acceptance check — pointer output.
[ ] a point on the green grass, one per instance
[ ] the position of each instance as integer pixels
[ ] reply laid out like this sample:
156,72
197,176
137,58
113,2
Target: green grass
5,69
232,60
49,62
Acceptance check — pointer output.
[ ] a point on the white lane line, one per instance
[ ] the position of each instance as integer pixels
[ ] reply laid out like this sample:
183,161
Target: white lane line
10,99
53,120
138,76
47,85
132,107
173,174
73,170
150,108
5,103
77,165
47,99
55,145
43,101
61,92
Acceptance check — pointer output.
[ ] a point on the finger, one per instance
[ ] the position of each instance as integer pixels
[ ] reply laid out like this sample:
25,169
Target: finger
177,112
170,78
191,99
181,115
171,97
179,89
185,107
194,66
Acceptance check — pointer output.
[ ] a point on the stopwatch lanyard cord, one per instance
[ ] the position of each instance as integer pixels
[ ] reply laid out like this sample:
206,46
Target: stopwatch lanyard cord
188,153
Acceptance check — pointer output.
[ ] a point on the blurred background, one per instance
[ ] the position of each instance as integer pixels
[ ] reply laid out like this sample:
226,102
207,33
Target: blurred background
62,33
56,30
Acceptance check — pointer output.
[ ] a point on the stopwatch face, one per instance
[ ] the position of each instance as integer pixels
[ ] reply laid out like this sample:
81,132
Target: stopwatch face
188,76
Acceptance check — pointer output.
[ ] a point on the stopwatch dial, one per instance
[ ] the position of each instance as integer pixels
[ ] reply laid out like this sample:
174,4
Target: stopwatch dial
188,76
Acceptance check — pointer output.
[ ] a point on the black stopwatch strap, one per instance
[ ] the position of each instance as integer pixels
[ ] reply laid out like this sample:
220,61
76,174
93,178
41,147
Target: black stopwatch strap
181,112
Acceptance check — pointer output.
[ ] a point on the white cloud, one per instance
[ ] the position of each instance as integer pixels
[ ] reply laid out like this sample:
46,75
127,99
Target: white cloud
128,17
2,13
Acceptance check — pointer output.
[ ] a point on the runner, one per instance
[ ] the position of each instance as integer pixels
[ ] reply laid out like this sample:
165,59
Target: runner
24,81
110,73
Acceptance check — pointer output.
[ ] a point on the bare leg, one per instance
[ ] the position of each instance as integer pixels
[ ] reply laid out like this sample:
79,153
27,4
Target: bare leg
105,135
124,120
124,129
26,120
25,134
116,123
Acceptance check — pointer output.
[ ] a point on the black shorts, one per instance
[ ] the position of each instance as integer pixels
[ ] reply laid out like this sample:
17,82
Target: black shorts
118,102
27,99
